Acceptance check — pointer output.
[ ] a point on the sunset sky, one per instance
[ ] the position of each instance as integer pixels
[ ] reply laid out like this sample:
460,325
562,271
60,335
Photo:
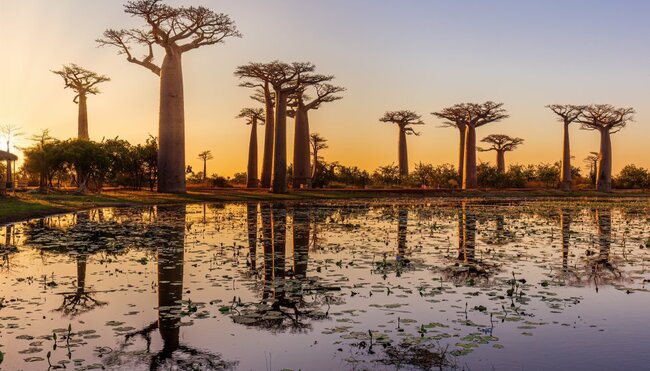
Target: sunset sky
421,55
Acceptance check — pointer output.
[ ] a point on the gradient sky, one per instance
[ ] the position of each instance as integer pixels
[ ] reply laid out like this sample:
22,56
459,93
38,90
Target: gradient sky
421,55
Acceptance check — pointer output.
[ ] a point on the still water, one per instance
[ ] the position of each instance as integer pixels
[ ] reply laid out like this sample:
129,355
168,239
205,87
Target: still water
381,285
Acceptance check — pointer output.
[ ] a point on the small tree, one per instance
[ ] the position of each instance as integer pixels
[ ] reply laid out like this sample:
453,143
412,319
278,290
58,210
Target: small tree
567,113
501,144
205,156
632,176
404,120
456,118
607,120
83,82
317,143
176,30
252,116
592,162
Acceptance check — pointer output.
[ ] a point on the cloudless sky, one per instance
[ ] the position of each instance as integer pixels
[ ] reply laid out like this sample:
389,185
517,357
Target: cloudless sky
421,55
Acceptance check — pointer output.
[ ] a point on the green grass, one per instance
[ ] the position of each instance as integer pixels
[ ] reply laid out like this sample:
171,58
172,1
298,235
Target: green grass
30,205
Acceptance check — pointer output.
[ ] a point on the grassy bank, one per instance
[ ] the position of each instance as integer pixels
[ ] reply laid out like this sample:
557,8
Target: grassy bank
31,205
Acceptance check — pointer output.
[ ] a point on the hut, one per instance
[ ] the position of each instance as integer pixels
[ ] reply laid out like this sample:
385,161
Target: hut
6,181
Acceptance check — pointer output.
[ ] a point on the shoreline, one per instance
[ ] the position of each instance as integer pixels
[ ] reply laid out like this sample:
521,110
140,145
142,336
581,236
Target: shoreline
25,206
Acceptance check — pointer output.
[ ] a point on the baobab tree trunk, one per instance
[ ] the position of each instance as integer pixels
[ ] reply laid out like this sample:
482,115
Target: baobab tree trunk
469,235
565,175
300,241
10,181
501,162
205,169
565,227
469,175
461,156
269,131
604,172
81,272
171,127
402,153
251,222
301,166
252,157
83,118
280,144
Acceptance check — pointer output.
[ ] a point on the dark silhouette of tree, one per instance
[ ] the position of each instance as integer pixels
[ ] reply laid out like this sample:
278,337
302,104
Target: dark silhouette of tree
474,115
302,172
253,116
81,300
260,73
592,161
501,144
456,118
404,120
84,82
567,114
251,228
317,143
205,156
176,30
607,120
10,132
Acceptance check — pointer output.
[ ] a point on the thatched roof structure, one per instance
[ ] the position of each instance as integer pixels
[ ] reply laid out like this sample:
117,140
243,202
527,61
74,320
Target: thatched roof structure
4,156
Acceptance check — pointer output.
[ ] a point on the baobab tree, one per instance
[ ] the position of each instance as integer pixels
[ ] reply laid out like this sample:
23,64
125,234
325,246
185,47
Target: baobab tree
205,156
567,113
501,144
176,30
302,172
253,116
456,118
607,120
476,115
404,120
317,143
83,82
260,74
592,161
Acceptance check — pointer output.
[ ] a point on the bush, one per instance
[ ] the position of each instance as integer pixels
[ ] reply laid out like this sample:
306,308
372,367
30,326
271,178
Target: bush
632,176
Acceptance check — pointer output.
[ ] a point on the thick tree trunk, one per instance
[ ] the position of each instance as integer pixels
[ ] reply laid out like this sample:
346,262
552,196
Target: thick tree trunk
267,243
171,127
279,223
81,272
269,132
469,235
565,174
205,169
252,181
279,181
501,162
83,118
251,223
469,175
301,166
565,227
300,241
461,156
604,172
403,153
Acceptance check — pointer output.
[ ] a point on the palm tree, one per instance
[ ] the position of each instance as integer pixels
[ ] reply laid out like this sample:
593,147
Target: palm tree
252,116
607,120
501,144
404,120
567,114
317,143
205,156
176,30
83,82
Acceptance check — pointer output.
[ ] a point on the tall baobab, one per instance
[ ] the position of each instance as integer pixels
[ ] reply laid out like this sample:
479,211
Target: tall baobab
286,79
317,143
501,144
302,172
252,116
177,30
567,113
475,115
260,73
83,82
205,156
592,161
608,120
404,120
456,118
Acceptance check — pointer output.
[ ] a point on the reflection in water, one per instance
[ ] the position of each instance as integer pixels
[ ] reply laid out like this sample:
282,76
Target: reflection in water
300,241
81,300
174,355
602,269
251,229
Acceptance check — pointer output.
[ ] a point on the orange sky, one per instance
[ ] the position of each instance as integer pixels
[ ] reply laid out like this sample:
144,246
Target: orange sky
420,55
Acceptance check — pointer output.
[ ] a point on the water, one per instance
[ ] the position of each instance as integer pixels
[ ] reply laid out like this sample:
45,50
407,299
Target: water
391,284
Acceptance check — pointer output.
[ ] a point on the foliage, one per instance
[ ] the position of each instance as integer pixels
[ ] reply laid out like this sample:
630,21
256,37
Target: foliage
632,176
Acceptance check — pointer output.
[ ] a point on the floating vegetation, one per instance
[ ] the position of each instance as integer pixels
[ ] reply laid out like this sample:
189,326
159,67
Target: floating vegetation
378,284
